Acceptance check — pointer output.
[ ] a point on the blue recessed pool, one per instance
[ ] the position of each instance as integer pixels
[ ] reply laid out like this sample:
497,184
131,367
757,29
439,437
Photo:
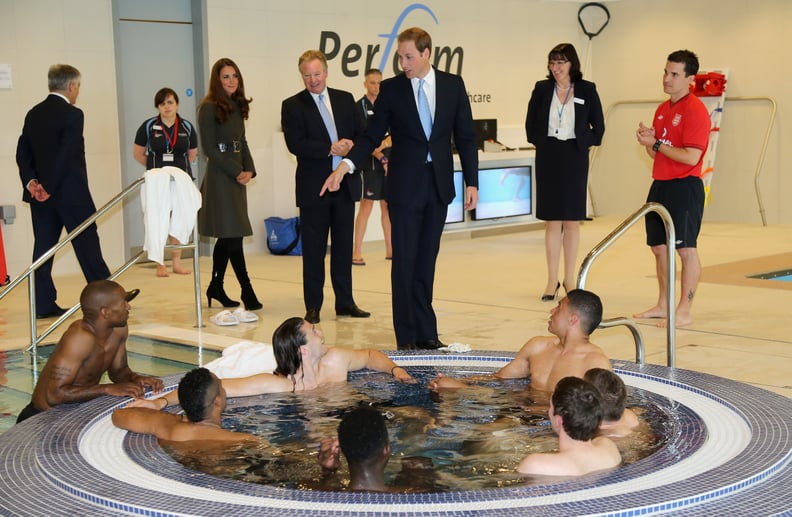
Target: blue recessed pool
784,275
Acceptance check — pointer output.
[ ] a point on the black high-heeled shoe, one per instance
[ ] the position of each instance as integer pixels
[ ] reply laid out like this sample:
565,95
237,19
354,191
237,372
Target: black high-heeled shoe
551,297
217,292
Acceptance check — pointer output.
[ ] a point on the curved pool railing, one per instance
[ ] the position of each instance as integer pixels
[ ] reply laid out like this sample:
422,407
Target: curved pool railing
606,243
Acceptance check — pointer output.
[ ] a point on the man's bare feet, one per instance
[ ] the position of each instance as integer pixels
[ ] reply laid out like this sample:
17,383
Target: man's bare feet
162,271
180,270
681,320
655,312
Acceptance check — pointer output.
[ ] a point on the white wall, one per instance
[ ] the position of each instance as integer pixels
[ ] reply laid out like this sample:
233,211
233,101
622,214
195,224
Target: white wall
266,40
505,46
34,35
750,39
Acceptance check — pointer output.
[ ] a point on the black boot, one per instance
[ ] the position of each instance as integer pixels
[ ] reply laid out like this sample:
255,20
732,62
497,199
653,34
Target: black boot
216,291
249,298
237,258
219,265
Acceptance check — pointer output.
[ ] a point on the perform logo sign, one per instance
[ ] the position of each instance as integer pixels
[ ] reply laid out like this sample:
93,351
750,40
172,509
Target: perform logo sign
355,62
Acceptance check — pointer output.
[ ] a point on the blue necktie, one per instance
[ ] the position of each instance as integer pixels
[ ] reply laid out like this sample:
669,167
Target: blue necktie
330,125
424,113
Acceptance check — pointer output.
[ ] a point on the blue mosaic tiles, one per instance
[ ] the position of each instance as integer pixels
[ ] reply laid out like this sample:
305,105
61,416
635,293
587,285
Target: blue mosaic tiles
44,468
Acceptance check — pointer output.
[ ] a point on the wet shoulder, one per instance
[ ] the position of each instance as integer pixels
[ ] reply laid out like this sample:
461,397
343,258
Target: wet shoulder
539,344
596,358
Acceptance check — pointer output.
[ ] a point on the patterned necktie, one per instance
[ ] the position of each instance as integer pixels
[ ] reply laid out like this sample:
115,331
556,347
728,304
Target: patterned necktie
424,113
330,125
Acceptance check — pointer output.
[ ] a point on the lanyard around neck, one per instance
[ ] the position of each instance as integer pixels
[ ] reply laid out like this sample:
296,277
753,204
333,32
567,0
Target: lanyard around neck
566,98
171,139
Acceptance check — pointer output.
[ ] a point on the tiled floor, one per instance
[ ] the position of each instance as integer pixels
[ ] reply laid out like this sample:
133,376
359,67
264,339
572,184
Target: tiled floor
487,295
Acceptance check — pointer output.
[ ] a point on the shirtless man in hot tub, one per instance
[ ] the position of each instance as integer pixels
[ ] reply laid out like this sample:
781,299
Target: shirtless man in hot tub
548,359
91,347
203,400
304,363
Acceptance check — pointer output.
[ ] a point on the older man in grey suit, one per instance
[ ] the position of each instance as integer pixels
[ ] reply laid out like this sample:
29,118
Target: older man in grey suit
51,160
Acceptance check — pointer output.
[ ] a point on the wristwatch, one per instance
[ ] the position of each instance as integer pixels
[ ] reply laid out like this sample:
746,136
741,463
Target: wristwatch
656,146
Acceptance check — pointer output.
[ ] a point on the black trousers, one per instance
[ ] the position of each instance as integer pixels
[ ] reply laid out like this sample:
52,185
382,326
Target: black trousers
333,216
49,219
416,227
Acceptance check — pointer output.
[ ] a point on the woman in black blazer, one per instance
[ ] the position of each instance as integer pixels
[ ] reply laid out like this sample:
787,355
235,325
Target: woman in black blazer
564,119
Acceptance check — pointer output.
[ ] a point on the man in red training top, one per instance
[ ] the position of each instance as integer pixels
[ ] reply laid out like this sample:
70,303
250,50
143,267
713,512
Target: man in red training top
676,142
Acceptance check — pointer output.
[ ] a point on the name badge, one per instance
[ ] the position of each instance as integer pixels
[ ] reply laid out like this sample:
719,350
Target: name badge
578,100
167,157
155,126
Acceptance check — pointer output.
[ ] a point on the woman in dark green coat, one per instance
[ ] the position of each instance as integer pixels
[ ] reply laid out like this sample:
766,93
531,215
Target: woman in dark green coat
221,122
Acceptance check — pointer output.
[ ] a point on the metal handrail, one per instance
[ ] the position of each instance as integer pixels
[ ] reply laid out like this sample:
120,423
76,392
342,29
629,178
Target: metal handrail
764,149
759,163
670,278
636,333
35,339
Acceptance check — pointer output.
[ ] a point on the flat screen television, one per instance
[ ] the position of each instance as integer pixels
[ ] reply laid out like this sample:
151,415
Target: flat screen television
503,192
456,210
486,129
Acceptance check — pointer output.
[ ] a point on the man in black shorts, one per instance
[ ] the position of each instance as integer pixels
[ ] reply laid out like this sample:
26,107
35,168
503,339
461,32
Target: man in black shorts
375,169
676,142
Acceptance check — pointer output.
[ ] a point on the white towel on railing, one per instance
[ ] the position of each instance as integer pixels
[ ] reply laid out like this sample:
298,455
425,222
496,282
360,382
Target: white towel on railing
170,202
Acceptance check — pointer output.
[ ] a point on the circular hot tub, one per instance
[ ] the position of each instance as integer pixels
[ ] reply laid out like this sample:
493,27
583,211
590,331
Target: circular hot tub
730,454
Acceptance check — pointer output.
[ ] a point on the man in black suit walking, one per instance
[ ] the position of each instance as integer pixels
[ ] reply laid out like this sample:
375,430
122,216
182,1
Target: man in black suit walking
51,160
424,109
319,124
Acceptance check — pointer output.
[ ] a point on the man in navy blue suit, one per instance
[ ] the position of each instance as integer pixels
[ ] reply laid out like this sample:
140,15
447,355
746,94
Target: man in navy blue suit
51,160
424,109
319,124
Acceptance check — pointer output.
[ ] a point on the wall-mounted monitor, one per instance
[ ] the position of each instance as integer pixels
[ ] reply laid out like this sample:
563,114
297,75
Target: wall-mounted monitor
456,210
486,129
503,192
